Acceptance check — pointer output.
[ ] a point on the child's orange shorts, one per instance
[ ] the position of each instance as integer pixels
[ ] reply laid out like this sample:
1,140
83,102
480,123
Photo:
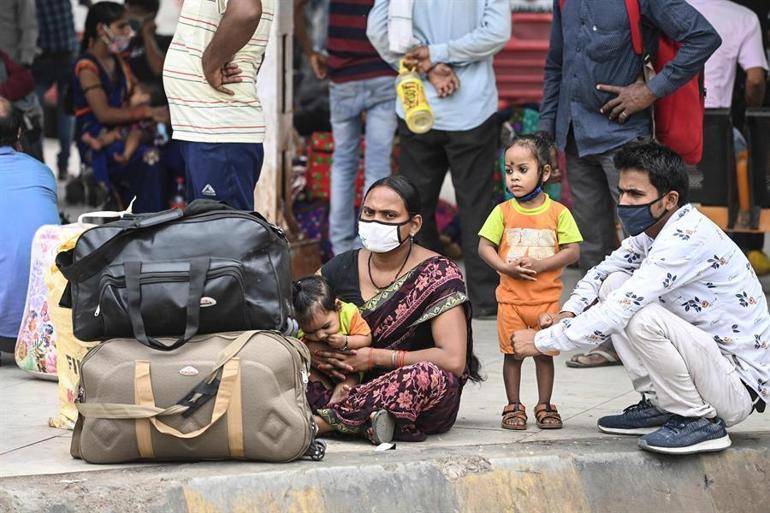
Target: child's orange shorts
511,318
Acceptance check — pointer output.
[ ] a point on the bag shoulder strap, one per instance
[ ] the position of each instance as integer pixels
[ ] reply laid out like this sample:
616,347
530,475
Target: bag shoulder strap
96,260
635,22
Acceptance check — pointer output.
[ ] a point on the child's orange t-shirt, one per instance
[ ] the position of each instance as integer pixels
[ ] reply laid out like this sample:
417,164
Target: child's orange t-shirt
536,233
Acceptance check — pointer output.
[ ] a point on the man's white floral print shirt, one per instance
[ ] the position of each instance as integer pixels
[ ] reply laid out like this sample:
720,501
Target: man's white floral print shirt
694,270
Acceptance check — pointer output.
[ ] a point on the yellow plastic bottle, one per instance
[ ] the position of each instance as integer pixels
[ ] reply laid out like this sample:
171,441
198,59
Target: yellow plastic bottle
411,93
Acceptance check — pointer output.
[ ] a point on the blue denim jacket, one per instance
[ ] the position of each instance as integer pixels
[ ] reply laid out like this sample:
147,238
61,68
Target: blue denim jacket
591,44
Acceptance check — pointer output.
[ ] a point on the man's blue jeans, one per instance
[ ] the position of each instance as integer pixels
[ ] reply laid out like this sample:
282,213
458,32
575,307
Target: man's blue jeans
376,97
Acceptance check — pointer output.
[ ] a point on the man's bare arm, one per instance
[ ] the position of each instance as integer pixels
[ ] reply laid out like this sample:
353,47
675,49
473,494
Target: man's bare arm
238,25
756,79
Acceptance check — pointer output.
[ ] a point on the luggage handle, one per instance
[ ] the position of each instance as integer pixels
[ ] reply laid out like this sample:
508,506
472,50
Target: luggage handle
230,375
198,268
103,255
136,411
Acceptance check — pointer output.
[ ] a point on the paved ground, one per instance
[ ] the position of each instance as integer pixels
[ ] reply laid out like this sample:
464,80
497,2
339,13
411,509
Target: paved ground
28,446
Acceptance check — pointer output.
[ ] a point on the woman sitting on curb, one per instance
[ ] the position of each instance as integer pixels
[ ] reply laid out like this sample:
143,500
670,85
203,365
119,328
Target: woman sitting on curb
416,304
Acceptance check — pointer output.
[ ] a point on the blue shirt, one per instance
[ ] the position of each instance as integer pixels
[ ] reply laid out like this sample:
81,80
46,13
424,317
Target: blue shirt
465,34
56,26
29,202
600,52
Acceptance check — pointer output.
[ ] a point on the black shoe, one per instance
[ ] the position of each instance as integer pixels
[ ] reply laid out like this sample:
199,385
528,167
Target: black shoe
638,419
687,435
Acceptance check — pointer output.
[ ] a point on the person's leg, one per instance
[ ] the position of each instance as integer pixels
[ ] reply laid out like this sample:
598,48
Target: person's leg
147,182
65,122
133,141
402,394
472,163
635,368
44,71
381,125
346,106
423,161
595,194
512,378
592,204
49,69
244,166
545,373
508,321
690,375
223,171
643,417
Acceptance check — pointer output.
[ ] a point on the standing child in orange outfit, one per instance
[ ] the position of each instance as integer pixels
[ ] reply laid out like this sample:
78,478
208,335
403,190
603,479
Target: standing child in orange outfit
528,240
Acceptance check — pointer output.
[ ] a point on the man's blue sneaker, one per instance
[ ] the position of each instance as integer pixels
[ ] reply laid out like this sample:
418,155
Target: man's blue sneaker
687,435
638,419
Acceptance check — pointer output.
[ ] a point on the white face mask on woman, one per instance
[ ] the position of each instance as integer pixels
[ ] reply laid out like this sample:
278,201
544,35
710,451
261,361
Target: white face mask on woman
379,237
117,43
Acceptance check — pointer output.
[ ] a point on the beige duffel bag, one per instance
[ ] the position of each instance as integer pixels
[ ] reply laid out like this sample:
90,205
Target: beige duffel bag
220,396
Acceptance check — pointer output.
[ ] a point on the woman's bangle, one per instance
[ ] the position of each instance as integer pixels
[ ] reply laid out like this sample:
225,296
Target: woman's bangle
141,112
345,347
371,358
393,359
401,358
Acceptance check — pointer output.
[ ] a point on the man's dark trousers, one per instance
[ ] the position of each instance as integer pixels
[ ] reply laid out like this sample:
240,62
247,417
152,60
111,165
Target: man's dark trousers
470,157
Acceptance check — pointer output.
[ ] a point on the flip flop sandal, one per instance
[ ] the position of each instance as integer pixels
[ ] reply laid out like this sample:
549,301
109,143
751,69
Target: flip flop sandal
545,412
609,360
514,417
381,427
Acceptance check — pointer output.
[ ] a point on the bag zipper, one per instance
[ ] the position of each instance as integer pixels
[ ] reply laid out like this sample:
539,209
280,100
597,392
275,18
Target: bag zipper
81,384
170,277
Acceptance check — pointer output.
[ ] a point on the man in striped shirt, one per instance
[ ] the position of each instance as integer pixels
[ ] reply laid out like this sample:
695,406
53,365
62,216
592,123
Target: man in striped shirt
361,82
210,76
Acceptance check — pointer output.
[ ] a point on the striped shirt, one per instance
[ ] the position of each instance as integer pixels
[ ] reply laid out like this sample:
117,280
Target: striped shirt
200,113
351,55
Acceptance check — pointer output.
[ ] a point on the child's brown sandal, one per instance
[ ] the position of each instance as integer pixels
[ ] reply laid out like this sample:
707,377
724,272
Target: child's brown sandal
514,417
548,416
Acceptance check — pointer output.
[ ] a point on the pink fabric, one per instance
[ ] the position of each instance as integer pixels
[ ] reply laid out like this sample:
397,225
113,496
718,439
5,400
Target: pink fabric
741,45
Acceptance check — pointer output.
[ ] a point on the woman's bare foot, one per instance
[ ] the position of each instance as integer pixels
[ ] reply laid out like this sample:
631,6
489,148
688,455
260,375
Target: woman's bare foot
93,143
341,392
323,426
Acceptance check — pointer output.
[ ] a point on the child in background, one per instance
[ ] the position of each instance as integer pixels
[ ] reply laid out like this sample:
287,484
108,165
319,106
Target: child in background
528,240
324,318
134,135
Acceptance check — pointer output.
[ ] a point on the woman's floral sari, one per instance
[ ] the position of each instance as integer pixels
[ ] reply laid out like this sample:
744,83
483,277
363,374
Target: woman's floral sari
422,397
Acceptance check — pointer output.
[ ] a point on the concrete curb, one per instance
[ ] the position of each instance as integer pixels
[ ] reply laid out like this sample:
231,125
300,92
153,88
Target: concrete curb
603,475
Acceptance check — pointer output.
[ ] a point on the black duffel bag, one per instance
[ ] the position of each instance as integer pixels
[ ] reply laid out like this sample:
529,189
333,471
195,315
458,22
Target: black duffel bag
205,269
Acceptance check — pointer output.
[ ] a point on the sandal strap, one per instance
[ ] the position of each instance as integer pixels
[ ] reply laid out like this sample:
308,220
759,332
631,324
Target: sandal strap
514,408
546,411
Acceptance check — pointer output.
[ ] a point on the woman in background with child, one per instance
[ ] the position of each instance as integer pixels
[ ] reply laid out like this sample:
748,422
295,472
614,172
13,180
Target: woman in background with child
528,240
115,118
